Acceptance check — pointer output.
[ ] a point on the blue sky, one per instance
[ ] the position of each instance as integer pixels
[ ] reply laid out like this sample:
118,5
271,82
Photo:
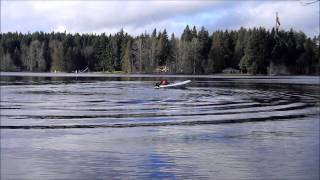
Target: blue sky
137,17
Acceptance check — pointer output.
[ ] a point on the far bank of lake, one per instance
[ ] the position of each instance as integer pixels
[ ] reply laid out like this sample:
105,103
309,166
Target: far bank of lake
315,80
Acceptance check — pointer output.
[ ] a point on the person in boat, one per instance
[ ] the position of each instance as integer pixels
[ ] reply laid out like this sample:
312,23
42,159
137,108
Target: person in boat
162,82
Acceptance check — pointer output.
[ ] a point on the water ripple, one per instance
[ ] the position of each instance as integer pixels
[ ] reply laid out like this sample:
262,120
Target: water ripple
133,103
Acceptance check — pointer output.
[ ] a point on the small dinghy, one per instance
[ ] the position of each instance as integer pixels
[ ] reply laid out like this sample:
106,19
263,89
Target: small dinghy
174,85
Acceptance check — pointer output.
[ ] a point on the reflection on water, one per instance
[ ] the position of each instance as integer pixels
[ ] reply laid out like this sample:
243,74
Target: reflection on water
69,128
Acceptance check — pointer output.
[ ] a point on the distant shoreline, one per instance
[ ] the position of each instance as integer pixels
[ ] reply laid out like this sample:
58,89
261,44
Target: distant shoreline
254,51
101,74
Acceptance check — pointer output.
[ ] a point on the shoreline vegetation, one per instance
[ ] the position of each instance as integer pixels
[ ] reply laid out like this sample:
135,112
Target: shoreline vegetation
239,78
242,52
124,74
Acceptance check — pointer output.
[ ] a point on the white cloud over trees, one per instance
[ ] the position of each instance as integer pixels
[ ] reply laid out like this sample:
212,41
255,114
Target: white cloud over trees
140,16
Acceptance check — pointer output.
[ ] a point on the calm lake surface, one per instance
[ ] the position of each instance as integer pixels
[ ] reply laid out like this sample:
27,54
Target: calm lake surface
93,126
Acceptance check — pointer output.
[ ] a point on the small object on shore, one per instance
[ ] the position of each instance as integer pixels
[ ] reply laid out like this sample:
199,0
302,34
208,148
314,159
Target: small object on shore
230,71
174,85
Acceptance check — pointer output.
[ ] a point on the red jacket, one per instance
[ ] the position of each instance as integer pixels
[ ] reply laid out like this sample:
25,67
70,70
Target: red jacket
164,82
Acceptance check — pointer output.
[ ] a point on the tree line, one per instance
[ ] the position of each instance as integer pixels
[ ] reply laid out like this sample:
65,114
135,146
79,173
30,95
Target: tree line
252,51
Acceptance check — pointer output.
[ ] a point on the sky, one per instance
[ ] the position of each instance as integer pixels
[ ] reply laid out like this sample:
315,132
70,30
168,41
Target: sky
140,16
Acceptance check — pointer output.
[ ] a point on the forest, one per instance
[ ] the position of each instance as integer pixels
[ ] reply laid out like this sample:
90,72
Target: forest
249,51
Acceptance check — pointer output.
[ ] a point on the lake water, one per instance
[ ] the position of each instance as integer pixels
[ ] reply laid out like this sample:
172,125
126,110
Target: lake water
93,126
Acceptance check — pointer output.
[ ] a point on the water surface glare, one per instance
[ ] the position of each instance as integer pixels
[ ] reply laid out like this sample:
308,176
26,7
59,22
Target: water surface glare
121,127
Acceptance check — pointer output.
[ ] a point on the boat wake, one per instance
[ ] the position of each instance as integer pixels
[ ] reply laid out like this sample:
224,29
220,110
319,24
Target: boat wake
124,104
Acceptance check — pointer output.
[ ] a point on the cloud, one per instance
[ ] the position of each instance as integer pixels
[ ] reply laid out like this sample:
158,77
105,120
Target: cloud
251,14
97,15
140,16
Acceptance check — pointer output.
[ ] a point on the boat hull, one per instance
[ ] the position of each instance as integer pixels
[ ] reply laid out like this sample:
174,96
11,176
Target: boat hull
175,85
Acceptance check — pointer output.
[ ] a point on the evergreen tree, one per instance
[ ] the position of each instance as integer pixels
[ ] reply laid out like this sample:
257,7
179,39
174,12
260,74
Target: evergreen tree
204,48
173,54
16,57
254,59
216,61
194,32
186,35
127,64
162,48
252,50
